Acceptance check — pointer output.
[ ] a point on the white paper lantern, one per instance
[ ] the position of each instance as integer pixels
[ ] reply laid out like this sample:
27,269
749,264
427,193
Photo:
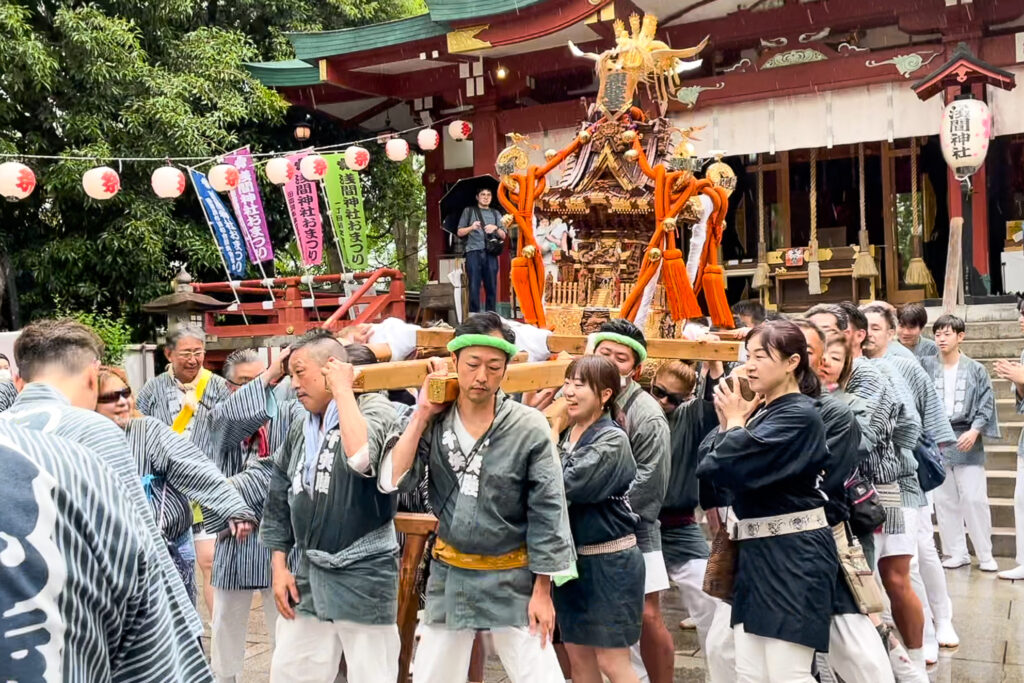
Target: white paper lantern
168,182
460,130
16,180
428,139
280,171
313,167
223,177
357,158
101,182
964,135
397,149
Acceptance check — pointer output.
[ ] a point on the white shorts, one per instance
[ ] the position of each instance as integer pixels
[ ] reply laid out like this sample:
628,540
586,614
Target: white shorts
656,578
895,545
203,535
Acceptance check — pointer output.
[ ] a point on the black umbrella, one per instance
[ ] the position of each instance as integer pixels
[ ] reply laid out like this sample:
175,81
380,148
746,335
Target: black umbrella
463,194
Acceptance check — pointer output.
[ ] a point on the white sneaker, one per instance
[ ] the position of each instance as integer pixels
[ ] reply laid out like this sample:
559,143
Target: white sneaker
988,566
946,634
1016,574
956,562
688,624
905,670
931,652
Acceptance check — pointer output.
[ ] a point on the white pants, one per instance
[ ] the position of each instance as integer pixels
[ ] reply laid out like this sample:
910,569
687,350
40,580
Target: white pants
770,660
229,627
855,651
933,576
309,651
1018,510
720,653
963,497
689,576
442,656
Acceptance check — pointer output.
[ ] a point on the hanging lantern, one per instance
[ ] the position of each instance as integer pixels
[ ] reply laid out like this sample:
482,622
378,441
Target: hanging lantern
397,149
280,171
168,182
101,182
223,177
313,167
428,139
964,135
16,180
460,130
357,158
721,174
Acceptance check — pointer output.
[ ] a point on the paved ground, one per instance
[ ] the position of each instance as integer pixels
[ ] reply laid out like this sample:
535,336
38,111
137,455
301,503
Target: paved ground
988,615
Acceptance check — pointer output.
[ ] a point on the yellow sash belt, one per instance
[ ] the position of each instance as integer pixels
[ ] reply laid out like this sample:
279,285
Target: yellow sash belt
182,421
516,559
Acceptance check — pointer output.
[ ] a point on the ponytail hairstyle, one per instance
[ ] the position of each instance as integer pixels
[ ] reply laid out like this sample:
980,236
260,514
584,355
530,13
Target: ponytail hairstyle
783,339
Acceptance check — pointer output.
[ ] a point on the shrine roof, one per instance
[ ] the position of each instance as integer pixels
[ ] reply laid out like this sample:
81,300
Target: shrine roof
285,74
313,45
456,10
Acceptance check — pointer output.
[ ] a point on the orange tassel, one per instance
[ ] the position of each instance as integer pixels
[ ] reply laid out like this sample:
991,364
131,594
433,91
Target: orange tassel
521,284
714,294
681,300
535,271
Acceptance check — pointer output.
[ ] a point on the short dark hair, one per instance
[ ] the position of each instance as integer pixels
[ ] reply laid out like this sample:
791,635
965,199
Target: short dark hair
360,354
627,329
952,322
598,373
837,312
884,311
63,342
854,316
751,307
483,189
786,339
322,344
805,324
912,314
487,322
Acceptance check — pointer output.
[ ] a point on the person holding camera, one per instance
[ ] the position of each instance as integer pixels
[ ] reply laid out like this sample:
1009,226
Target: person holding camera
480,227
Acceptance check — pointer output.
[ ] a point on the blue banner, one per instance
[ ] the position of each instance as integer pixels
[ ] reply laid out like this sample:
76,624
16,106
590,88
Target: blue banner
229,238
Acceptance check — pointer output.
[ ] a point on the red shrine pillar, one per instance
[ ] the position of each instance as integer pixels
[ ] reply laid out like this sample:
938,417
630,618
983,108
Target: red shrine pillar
487,142
433,184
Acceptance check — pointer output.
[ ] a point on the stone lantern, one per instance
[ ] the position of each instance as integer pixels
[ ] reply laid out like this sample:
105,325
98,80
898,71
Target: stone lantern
184,306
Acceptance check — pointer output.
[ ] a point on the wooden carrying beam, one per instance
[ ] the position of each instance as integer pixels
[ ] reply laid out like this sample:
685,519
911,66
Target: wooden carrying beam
575,344
411,373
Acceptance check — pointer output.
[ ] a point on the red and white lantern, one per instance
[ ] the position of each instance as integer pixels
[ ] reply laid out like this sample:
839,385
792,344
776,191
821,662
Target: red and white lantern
223,177
428,139
460,130
964,135
313,167
101,182
280,171
357,158
168,182
16,180
397,149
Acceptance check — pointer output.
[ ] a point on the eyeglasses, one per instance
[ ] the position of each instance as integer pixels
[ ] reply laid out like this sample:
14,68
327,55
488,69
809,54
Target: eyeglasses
660,392
115,396
187,355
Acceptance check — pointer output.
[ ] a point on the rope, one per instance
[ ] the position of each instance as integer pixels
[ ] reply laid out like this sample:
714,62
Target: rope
760,206
915,227
864,265
863,201
761,273
813,268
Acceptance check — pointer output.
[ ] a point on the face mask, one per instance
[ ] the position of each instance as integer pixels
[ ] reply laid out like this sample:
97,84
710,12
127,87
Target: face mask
5,376
624,381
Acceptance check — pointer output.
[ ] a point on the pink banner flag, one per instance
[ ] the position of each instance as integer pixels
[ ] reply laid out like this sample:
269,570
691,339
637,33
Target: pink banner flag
248,207
304,210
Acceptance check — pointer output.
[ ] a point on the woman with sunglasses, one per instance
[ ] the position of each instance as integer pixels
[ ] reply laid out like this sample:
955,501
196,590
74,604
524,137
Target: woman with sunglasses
174,471
768,459
600,612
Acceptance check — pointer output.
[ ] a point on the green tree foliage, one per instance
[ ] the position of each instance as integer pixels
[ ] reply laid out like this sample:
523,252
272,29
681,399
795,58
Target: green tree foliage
112,329
153,79
395,213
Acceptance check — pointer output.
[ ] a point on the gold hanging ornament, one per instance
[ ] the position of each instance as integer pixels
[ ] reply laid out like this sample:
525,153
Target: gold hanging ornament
513,160
721,174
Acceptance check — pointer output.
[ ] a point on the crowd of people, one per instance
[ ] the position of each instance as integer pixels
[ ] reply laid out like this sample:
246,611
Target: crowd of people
811,466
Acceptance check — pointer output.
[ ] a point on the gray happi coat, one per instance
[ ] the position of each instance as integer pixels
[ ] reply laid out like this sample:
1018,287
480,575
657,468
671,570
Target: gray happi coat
42,408
647,428
92,597
506,494
162,399
8,393
974,406
343,530
245,565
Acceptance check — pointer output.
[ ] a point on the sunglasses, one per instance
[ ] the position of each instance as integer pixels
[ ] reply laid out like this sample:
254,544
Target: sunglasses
115,396
660,393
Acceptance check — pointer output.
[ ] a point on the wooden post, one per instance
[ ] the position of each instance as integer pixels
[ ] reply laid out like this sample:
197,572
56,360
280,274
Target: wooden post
953,287
416,527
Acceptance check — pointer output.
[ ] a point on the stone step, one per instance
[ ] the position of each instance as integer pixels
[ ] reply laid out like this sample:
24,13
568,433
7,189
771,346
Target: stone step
1006,410
993,348
1009,429
995,329
1000,483
1001,457
990,360
978,312
1004,542
1002,512
1003,388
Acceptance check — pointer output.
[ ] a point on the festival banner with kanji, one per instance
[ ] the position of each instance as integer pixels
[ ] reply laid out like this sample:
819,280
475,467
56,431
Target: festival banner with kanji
248,206
300,194
345,203
223,225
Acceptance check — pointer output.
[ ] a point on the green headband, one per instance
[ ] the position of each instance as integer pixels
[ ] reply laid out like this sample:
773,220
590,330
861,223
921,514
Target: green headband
637,347
464,340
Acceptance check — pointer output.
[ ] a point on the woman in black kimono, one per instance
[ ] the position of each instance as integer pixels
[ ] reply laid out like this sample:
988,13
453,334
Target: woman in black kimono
600,612
770,465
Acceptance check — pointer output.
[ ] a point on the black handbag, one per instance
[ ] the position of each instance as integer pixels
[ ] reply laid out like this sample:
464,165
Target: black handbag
866,511
931,471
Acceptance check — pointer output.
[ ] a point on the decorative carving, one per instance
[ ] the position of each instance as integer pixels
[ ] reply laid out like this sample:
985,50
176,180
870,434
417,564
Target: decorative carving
774,42
688,95
794,57
815,37
905,64
465,40
850,47
740,65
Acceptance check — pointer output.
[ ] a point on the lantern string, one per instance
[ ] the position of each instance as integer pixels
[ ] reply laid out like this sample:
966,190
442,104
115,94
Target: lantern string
203,161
